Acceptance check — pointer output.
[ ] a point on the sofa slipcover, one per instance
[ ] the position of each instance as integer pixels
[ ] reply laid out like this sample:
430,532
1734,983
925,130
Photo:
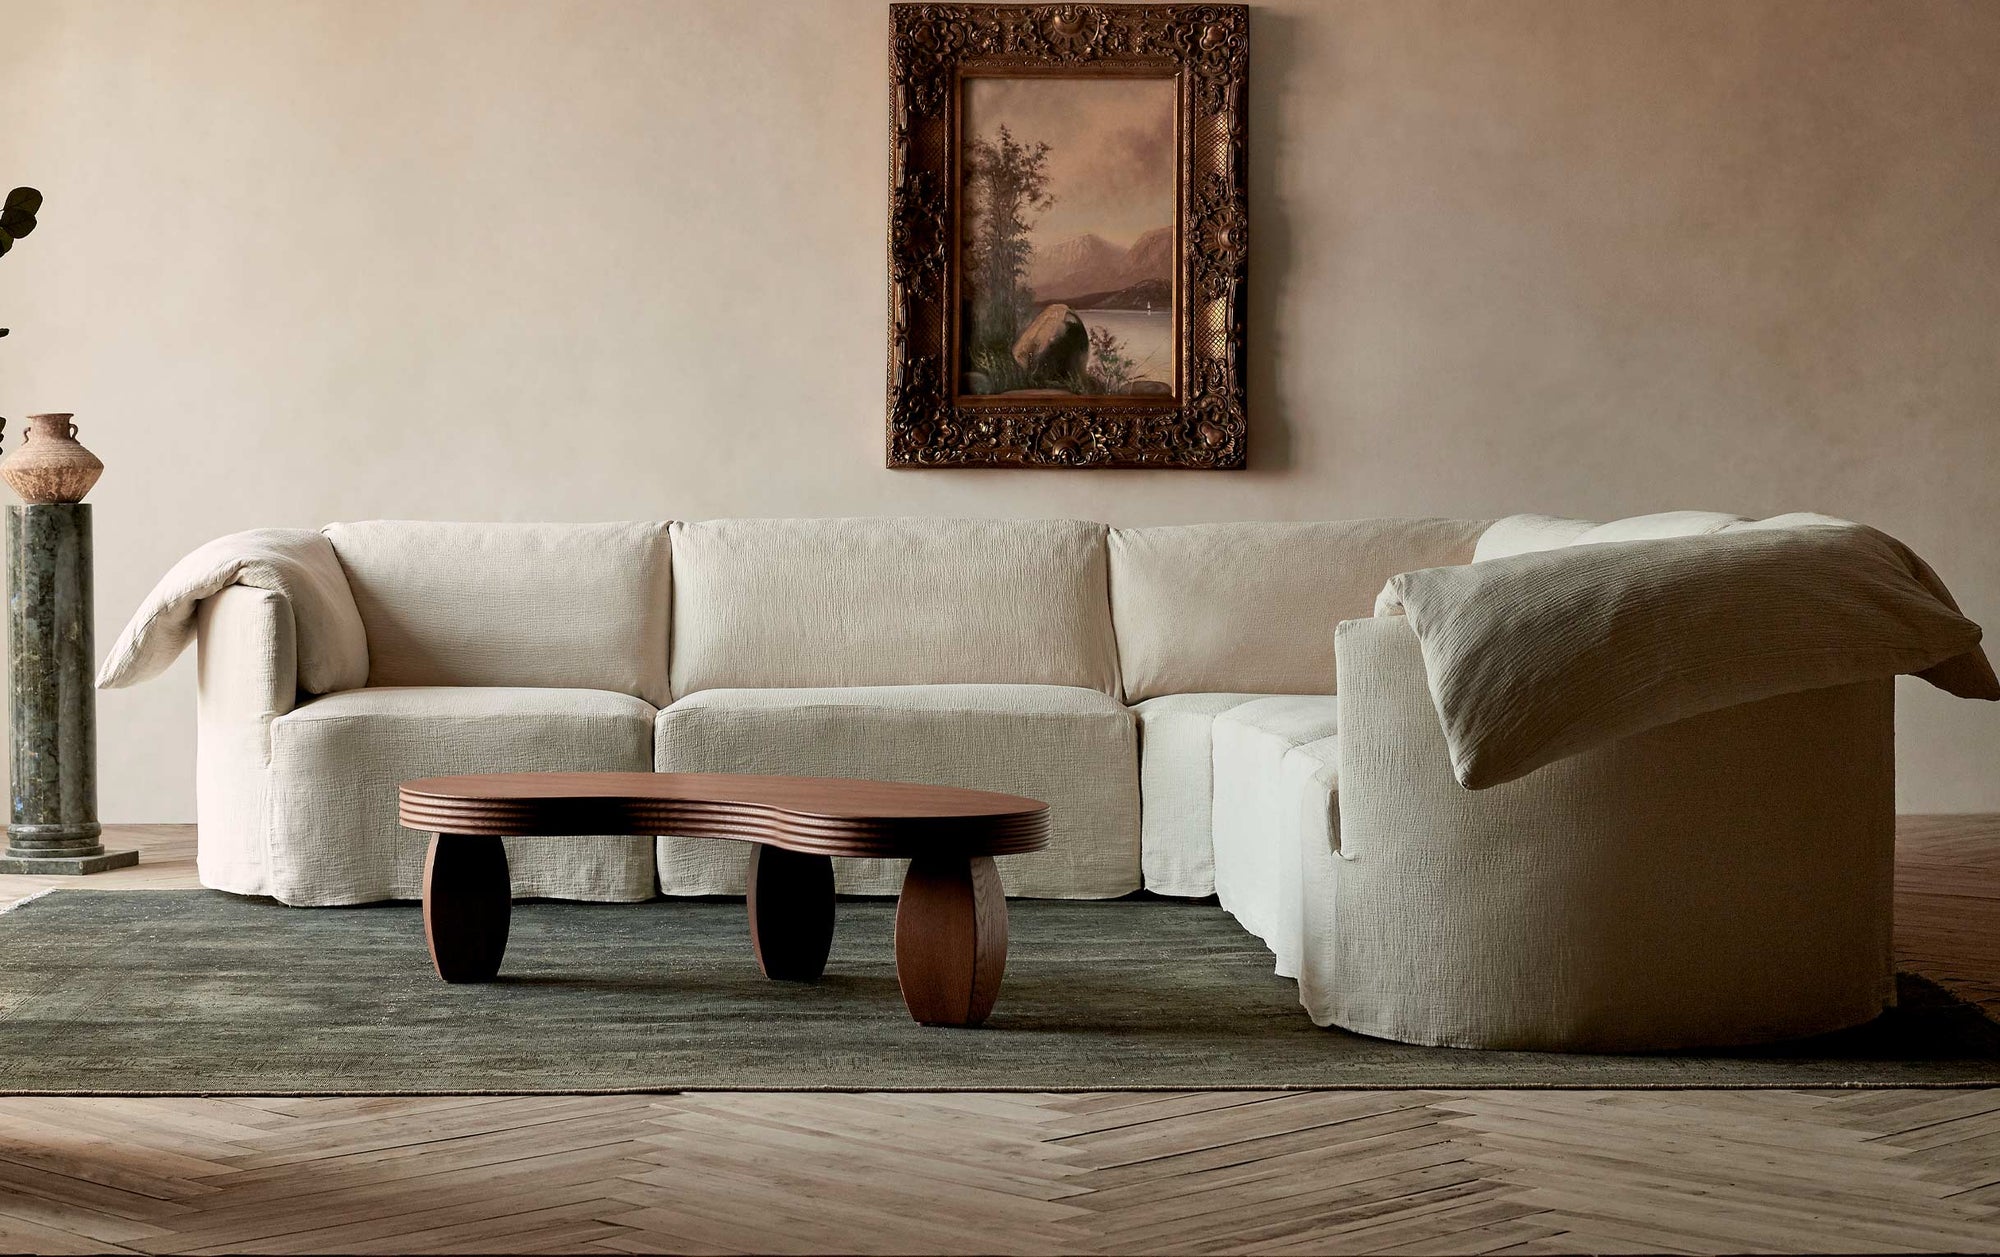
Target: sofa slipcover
1536,657
803,603
1725,879
1253,805
570,606
1526,534
1307,845
246,676
336,763
1071,747
1177,790
297,564
1249,607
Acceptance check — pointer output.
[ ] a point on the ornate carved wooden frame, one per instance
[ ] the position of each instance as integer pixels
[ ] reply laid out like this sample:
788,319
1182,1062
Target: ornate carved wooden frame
934,47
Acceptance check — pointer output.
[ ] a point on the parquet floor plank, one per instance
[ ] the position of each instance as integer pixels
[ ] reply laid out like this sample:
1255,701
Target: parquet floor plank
27,1180
1516,1172
18,1235
1525,1225
1152,1141
1441,1226
1316,1182
61,1213
1331,1221
1313,1150
150,1170
394,1191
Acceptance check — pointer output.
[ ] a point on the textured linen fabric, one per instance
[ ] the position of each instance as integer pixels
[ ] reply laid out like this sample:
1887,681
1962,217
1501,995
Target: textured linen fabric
1530,534
1306,846
1073,748
246,676
802,603
1660,525
295,563
1525,534
1177,790
336,763
566,606
1310,854
1725,879
1542,655
1250,608
1256,806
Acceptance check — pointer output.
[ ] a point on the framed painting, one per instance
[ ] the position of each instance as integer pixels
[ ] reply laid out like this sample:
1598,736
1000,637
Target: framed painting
1068,235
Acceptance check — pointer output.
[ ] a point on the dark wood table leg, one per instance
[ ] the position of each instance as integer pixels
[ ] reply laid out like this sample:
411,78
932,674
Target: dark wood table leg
467,902
951,939
791,912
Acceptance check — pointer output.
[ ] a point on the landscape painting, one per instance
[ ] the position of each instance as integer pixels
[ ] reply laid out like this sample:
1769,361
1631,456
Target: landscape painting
1068,252
1069,235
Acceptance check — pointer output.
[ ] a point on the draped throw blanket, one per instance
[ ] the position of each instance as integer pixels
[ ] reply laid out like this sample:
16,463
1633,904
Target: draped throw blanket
296,563
1535,657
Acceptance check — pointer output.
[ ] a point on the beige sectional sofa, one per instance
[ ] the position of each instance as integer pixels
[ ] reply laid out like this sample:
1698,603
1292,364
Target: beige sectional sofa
1037,657
1171,692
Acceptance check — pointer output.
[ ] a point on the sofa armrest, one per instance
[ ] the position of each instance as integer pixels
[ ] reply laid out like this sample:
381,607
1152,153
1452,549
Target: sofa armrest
1386,717
246,650
247,659
1726,878
329,643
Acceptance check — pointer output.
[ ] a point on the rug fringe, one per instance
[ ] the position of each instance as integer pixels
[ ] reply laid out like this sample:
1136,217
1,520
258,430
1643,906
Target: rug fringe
43,892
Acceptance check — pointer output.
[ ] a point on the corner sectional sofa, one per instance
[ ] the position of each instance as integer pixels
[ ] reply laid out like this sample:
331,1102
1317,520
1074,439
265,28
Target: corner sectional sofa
1180,697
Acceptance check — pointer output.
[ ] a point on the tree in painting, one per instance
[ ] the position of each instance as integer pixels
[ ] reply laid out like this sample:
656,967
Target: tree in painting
1005,181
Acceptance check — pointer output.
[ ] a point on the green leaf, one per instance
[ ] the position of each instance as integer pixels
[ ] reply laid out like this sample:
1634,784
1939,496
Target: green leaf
17,216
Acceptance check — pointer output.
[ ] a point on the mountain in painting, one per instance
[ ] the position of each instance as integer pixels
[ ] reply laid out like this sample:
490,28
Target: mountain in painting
1090,265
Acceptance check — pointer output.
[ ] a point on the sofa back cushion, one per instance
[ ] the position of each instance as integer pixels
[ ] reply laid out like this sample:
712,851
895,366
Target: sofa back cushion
573,606
1250,608
775,603
1530,534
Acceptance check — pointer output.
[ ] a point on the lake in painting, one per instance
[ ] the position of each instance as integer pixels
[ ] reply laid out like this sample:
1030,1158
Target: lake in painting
1069,251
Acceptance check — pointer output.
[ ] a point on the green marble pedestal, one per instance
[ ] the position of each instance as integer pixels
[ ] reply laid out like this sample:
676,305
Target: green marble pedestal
52,825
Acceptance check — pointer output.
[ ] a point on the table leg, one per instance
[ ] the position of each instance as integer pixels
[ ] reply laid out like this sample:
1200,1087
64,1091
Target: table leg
791,912
951,939
467,901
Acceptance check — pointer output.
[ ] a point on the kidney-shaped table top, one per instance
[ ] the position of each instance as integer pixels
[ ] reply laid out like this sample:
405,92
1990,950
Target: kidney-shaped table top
822,815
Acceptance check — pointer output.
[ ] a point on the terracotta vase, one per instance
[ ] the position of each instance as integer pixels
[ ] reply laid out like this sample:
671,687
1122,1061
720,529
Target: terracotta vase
48,465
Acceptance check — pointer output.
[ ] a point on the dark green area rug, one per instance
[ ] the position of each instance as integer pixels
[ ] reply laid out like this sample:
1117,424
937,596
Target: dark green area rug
197,992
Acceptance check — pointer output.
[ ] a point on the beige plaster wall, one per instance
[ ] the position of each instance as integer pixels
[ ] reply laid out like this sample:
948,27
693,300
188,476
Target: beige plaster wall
307,260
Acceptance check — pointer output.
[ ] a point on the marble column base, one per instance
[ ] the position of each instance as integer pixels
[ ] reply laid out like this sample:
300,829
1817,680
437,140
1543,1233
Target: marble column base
68,865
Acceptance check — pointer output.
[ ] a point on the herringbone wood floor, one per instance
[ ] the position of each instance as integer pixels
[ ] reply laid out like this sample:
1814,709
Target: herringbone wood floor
1415,1172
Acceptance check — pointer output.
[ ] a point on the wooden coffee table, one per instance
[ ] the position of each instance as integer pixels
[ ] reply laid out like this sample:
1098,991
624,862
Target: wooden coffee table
951,920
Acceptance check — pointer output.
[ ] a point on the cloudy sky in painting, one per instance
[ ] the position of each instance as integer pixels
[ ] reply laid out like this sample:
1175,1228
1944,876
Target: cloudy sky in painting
1111,148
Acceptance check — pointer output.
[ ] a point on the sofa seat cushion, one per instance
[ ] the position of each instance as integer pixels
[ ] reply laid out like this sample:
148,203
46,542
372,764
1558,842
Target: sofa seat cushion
1177,790
1292,718
1075,749
580,606
336,763
1261,790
